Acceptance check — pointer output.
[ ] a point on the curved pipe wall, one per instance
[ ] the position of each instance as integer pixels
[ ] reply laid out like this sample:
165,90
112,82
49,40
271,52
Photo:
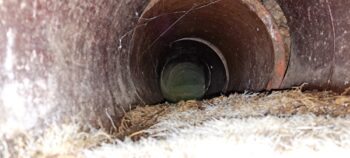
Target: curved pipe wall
320,32
92,60
65,60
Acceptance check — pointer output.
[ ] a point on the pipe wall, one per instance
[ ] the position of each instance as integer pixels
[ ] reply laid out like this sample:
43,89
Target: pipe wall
64,61
320,33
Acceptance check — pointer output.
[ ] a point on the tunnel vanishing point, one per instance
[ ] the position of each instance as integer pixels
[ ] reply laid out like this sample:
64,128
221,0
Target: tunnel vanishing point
92,60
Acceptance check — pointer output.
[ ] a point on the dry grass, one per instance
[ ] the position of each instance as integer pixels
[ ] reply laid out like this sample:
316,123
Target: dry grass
163,121
282,104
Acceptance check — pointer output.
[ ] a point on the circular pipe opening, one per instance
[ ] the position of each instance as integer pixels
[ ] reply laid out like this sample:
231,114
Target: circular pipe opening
218,63
251,47
191,69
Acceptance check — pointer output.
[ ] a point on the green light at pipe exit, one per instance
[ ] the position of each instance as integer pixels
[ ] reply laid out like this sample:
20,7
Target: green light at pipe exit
183,81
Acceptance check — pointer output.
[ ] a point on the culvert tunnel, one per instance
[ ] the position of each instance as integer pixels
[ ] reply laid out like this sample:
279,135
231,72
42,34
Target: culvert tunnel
248,47
95,59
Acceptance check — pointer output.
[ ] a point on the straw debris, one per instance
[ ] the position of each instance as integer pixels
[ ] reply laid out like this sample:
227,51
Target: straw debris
287,114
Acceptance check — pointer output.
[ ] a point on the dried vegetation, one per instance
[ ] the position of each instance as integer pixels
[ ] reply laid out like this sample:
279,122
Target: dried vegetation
158,121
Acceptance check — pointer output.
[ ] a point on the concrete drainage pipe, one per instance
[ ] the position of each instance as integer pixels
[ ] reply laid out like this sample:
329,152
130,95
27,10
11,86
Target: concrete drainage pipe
91,60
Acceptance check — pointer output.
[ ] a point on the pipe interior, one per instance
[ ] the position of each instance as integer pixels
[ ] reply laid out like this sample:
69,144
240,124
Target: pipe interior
231,26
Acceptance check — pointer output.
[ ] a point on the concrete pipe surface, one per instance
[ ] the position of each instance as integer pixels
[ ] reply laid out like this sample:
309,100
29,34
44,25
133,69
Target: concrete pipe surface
91,60
320,44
